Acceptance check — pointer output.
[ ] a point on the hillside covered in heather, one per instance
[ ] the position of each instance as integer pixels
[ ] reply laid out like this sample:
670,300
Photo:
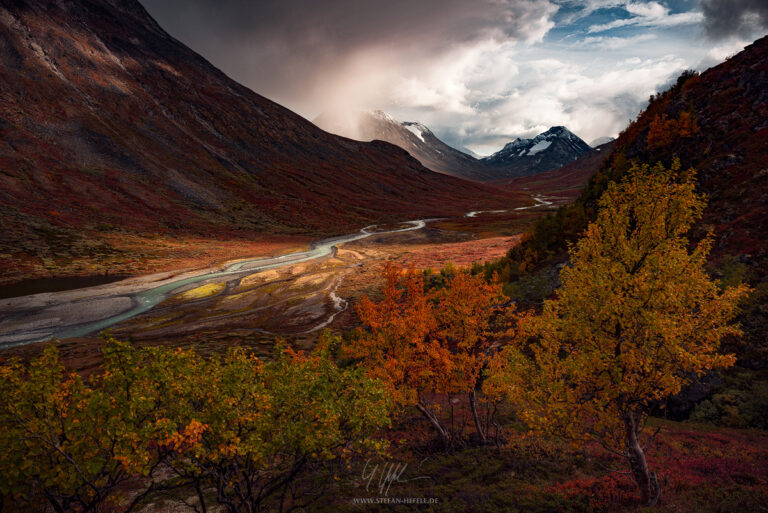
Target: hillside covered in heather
109,125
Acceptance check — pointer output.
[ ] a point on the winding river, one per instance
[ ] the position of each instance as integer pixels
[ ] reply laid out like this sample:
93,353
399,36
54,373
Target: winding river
145,300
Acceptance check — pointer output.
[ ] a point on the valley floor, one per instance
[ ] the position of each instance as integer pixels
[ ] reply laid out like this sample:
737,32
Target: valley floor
294,302
131,254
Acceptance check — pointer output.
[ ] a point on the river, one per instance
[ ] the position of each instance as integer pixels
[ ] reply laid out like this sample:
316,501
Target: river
65,317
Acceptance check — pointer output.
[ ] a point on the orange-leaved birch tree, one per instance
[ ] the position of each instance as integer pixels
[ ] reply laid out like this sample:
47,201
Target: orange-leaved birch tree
429,343
472,316
635,319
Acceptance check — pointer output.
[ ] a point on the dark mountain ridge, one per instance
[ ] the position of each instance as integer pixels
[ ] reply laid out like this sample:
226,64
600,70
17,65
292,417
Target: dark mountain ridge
549,150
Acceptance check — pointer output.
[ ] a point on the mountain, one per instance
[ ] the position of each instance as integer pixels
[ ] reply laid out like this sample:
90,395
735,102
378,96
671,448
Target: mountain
413,137
600,141
717,124
108,123
550,150
566,181
547,151
469,152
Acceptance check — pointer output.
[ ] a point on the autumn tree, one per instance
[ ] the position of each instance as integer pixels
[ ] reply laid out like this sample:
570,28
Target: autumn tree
636,319
663,131
235,432
268,423
427,343
72,444
472,315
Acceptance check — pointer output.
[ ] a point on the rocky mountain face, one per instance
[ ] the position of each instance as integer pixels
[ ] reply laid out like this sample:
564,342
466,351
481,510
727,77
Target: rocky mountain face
107,122
550,150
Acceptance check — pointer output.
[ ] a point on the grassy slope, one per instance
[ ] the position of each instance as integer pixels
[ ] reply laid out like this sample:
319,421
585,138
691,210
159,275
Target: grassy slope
703,470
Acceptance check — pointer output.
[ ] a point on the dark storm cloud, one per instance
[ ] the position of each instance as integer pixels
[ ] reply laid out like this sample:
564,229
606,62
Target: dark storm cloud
344,23
740,18
278,47
478,72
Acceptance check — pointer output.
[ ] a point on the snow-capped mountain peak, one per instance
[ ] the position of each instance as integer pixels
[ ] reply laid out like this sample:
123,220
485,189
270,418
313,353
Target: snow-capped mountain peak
383,116
548,150
522,156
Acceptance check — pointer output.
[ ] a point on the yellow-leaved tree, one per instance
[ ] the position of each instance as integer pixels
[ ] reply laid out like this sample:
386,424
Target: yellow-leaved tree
636,318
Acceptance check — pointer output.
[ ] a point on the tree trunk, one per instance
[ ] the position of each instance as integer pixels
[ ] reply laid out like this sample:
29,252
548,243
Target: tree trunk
444,435
200,496
646,481
473,406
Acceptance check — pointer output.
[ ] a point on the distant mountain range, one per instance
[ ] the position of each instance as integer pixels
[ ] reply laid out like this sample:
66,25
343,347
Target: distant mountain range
521,157
601,141
415,138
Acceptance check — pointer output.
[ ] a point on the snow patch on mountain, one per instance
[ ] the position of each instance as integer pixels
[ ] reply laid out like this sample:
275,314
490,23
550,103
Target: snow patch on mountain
539,146
415,129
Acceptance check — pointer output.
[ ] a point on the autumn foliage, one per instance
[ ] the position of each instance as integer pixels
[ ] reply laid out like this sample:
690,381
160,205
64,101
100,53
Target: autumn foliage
234,432
427,343
636,318
664,131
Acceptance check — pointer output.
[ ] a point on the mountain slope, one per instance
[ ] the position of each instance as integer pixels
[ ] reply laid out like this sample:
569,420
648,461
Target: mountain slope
566,181
547,151
107,122
413,137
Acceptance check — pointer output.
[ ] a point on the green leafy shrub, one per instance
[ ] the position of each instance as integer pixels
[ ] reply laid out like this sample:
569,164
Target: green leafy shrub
742,402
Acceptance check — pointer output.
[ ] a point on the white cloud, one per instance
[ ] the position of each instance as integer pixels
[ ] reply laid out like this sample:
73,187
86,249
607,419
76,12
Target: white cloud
615,43
485,95
719,53
478,73
586,7
527,21
650,14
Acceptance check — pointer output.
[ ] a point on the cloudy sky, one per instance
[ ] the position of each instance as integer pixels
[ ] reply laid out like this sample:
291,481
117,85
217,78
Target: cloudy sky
479,72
